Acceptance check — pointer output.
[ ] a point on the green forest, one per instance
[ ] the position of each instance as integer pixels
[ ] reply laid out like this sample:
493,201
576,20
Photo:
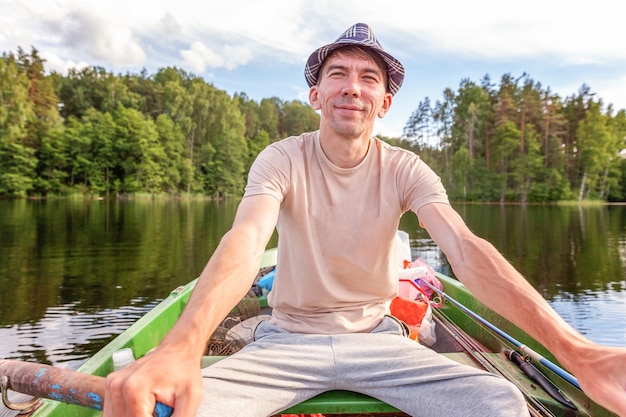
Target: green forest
97,134
518,141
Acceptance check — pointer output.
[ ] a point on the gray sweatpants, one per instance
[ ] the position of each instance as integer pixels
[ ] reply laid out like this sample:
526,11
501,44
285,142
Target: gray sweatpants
280,369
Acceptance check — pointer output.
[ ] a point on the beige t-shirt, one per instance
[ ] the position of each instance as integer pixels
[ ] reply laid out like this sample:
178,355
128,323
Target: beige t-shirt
337,268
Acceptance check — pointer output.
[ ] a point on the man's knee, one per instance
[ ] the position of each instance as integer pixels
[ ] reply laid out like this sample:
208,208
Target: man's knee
503,399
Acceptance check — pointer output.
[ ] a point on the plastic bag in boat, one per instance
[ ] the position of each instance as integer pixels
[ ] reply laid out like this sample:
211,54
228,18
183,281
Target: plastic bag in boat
403,248
267,281
416,270
428,276
407,286
418,316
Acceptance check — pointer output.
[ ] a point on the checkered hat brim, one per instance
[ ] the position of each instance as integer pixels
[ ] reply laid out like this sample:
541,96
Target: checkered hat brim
359,34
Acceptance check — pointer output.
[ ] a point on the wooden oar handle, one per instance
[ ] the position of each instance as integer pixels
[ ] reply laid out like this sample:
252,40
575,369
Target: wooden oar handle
59,384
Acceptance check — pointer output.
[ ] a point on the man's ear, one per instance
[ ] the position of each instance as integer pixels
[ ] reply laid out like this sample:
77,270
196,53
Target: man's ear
386,105
314,99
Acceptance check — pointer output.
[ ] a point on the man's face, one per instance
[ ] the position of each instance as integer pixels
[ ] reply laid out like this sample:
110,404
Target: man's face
351,93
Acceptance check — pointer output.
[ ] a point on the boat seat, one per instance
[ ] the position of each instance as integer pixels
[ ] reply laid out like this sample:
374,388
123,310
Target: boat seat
343,402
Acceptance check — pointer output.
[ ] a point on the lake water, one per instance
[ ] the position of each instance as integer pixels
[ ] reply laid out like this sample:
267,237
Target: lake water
74,274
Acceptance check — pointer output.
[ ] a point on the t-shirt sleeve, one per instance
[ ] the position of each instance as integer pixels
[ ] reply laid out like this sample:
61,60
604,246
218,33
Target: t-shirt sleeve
420,185
269,173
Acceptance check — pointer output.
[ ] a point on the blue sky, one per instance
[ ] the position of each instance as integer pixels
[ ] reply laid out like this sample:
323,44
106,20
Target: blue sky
260,47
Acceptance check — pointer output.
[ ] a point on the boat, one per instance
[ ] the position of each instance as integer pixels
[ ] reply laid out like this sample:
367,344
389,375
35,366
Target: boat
466,331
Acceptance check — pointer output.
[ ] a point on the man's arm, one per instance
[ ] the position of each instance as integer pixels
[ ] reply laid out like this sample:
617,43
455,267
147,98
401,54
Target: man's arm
171,373
600,370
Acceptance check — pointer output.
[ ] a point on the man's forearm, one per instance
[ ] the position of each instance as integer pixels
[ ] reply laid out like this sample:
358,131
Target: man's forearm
224,281
511,295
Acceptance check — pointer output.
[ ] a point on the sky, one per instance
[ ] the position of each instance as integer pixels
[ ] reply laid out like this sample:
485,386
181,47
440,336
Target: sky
260,47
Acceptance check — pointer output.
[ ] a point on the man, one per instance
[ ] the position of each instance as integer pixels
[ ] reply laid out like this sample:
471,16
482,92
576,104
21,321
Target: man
336,197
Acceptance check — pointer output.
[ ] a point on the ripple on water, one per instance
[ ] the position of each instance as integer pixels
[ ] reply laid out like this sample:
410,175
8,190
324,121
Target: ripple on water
599,315
66,337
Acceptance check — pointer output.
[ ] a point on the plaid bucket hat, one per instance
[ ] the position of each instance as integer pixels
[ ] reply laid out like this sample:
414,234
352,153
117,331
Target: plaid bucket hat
359,34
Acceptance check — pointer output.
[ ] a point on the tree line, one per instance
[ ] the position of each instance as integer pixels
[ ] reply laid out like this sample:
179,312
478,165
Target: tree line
96,133
518,141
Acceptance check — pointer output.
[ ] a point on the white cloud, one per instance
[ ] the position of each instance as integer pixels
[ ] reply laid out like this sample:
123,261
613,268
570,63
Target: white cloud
553,36
56,64
388,128
115,31
572,31
169,25
74,30
237,55
612,91
199,56
105,39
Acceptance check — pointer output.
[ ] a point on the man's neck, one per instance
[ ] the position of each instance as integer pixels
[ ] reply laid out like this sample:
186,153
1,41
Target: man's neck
344,152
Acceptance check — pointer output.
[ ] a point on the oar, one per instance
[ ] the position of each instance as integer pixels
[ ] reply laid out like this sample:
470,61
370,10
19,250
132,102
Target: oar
519,345
59,384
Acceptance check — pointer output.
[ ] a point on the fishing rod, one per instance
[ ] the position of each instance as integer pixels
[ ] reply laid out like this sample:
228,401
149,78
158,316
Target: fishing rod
477,352
534,374
519,345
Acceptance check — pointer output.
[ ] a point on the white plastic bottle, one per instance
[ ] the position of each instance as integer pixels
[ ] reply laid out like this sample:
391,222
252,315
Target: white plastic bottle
122,357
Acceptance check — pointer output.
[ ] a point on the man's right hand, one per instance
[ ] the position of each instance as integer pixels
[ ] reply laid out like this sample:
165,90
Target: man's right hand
160,376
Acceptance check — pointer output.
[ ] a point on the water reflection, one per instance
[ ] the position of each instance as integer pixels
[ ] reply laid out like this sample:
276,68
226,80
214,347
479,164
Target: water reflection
76,273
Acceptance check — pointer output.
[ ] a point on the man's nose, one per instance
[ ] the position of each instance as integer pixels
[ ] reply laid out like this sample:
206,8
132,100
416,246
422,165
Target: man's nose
352,87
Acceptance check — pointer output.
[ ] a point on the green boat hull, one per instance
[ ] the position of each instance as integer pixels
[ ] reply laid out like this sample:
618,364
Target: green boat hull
485,350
